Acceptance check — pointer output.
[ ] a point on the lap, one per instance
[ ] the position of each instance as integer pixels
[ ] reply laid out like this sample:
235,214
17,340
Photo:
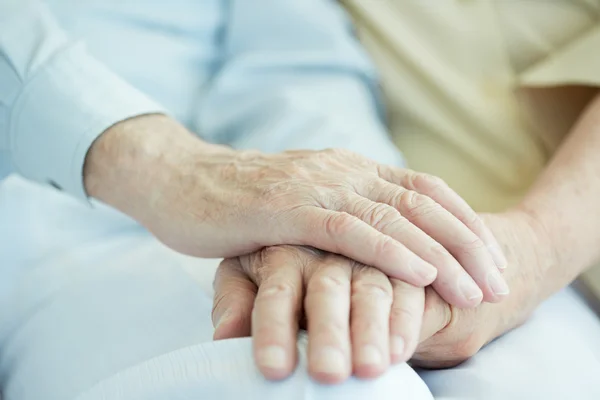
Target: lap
109,313
93,310
225,370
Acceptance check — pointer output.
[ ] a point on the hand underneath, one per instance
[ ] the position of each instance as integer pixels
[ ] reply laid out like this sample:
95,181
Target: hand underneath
210,201
358,320
466,331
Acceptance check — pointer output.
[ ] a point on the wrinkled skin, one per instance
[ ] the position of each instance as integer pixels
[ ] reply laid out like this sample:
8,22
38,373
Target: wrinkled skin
210,201
349,307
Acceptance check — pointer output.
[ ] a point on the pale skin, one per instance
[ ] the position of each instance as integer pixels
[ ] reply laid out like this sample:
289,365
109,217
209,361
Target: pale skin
207,200
549,239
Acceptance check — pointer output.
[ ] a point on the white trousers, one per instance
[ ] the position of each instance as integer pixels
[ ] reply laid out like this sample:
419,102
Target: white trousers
92,307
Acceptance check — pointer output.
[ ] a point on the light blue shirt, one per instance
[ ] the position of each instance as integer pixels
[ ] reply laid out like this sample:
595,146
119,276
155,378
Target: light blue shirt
265,74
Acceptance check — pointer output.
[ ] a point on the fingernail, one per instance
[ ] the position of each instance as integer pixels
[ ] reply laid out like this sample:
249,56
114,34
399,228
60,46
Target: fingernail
498,256
426,271
223,318
397,346
498,284
272,357
369,355
469,289
329,360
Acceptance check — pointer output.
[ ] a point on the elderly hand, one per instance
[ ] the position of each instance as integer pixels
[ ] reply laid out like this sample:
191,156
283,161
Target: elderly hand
356,312
210,201
355,320
465,332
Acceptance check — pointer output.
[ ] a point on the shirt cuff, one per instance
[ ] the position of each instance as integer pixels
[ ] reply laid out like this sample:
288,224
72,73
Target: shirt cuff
62,110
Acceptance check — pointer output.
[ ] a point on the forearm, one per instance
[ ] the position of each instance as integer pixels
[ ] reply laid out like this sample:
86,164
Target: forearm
565,204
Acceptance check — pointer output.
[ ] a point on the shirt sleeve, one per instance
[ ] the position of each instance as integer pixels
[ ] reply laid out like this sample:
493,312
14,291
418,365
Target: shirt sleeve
295,77
55,98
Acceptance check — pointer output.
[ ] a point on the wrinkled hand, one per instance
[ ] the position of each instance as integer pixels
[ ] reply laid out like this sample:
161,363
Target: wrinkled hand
466,331
353,315
210,201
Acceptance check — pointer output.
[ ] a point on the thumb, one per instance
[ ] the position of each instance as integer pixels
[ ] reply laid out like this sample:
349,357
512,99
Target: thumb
233,301
438,314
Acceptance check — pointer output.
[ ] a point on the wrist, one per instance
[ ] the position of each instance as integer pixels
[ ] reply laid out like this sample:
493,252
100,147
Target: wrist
540,233
545,273
531,272
136,163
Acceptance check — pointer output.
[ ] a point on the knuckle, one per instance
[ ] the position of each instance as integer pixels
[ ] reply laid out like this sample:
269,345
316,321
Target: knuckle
275,195
372,290
226,268
471,246
222,269
381,216
382,246
470,218
264,265
438,250
368,326
425,182
417,205
339,224
402,316
277,251
277,291
328,284
339,198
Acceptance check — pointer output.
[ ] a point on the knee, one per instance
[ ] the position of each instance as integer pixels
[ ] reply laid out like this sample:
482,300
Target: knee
225,370
242,377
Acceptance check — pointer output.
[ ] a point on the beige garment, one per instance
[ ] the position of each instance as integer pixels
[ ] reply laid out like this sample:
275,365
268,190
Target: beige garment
481,92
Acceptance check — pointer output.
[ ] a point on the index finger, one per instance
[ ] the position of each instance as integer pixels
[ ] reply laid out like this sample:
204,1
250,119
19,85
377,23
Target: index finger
233,300
276,312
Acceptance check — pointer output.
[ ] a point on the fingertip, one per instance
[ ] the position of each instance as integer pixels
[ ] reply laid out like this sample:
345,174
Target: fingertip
274,374
328,378
218,335
494,298
424,273
466,296
498,287
397,348
473,303
329,365
399,359
402,348
470,293
370,362
275,362
223,332
369,371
